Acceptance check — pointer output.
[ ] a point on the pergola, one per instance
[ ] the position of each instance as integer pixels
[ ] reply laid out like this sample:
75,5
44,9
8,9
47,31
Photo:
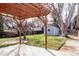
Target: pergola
22,11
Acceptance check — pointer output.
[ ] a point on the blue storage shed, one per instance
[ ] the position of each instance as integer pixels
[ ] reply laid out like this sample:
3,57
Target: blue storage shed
53,30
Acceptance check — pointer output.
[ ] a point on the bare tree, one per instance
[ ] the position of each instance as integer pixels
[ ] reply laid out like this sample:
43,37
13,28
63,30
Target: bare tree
70,15
1,26
78,20
56,13
10,23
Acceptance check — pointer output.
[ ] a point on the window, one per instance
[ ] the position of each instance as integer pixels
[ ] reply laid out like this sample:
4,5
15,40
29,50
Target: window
48,29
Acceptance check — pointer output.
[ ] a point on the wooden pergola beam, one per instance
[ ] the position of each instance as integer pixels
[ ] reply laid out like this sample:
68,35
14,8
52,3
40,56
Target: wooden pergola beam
23,10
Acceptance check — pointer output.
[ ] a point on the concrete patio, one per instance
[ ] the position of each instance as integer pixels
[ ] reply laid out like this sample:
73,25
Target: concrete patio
26,50
72,47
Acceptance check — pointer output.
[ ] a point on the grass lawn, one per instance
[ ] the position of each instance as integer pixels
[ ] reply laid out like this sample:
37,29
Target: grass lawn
38,40
7,39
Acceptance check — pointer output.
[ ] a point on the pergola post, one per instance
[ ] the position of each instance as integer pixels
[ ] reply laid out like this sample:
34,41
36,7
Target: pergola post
19,24
44,20
45,24
46,36
20,31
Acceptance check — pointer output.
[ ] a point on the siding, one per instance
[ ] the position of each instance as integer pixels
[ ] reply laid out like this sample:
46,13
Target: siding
52,30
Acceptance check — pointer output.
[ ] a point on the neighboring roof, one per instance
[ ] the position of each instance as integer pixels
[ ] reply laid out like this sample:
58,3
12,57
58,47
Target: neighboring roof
50,25
24,10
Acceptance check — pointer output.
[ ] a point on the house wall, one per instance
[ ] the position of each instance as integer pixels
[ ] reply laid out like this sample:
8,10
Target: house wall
52,30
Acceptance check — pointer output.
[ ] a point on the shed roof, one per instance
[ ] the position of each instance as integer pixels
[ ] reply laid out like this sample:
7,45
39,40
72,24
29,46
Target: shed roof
24,10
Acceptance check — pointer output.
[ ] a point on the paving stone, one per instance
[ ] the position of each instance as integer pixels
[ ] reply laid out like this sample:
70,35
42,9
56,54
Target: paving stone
71,47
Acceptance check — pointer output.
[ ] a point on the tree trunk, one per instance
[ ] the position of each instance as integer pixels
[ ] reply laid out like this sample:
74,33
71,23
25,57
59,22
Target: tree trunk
24,35
1,23
78,21
78,33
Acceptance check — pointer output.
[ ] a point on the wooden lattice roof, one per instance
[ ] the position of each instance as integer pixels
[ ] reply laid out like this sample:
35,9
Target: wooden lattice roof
24,10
